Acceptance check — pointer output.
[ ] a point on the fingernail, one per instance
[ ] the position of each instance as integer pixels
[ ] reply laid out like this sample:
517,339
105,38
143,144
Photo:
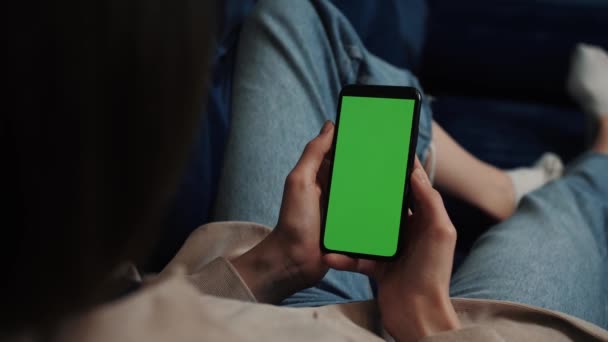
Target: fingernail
419,173
326,127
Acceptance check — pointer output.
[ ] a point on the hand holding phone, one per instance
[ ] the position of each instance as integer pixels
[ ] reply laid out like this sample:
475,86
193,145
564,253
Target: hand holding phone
419,279
289,259
374,150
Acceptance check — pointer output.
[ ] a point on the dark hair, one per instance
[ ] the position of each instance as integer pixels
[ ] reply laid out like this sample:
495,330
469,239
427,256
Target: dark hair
105,97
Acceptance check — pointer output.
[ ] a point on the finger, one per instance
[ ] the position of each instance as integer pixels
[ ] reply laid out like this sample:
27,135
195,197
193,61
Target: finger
340,262
316,150
417,163
346,263
323,174
323,180
427,200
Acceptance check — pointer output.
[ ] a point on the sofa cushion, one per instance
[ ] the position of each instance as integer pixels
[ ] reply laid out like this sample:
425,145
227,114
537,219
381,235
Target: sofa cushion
516,49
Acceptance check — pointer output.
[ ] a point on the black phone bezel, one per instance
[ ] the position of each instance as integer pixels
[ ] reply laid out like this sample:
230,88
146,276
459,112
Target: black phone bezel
397,92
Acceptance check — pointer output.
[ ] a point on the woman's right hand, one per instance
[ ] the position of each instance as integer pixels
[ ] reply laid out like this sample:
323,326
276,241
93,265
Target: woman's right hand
413,291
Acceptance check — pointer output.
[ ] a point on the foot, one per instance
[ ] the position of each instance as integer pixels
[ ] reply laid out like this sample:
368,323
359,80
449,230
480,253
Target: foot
601,141
588,79
528,179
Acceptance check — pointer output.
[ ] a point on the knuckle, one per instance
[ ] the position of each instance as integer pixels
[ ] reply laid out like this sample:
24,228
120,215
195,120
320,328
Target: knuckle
435,201
293,178
297,181
436,197
311,145
452,233
445,232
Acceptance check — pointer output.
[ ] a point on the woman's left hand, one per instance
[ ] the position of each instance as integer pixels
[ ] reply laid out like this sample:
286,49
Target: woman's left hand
413,291
290,259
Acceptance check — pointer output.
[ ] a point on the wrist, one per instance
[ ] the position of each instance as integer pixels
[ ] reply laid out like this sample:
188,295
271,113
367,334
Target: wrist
436,316
268,271
420,316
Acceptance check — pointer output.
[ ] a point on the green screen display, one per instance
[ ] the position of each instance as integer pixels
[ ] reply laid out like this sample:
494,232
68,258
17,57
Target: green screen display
369,173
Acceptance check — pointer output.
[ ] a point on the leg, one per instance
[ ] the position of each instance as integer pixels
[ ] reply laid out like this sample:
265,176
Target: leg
494,191
601,143
292,62
290,69
490,189
553,251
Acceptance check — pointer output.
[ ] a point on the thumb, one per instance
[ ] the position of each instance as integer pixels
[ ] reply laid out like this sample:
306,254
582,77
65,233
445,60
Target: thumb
315,151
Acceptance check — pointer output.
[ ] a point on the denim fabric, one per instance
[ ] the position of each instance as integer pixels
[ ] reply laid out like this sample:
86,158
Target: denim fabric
552,252
394,30
292,62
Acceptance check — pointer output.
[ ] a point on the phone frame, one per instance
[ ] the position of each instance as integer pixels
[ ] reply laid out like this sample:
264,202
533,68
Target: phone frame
408,93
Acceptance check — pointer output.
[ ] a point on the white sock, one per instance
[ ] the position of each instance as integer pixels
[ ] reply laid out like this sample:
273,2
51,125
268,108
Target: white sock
588,79
528,179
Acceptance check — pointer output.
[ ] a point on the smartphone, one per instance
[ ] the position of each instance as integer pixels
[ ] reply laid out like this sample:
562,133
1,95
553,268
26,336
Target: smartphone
373,155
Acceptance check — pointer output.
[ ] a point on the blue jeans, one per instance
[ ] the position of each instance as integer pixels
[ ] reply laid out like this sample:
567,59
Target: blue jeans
293,59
